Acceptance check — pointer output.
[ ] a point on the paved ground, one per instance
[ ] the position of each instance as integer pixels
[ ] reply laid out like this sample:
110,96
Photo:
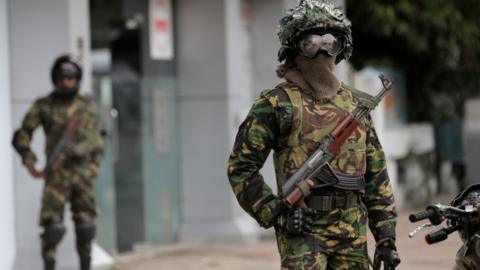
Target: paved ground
415,253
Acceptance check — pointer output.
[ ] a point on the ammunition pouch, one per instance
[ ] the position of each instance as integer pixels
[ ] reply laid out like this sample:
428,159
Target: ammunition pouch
326,203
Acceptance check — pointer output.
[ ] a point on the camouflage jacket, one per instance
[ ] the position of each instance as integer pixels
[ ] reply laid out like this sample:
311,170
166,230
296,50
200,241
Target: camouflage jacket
269,125
54,116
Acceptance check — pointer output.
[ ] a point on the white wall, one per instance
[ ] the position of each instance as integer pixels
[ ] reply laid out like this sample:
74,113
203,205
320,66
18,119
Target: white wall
38,34
7,230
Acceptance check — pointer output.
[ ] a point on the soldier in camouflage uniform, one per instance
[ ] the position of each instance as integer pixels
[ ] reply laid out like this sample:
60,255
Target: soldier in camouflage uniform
292,119
70,178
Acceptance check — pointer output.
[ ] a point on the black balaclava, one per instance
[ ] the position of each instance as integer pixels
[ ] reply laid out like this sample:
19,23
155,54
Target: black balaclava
65,93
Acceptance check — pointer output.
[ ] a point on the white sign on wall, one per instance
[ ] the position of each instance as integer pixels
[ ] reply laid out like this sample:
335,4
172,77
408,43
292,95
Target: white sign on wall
161,30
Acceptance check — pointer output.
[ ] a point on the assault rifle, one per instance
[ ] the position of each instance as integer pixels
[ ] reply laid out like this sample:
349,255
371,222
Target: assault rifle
58,153
315,172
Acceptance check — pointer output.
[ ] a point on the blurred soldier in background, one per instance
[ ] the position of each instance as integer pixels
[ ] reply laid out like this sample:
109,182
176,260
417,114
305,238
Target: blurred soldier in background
292,119
73,149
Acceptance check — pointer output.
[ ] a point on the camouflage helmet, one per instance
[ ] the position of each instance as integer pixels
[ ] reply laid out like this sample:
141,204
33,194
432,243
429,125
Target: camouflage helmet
313,15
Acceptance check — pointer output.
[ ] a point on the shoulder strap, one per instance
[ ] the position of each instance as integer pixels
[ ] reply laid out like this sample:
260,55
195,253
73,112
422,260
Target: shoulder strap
297,122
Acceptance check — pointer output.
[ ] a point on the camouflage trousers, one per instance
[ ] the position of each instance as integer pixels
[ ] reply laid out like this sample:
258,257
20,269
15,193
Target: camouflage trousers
338,242
73,184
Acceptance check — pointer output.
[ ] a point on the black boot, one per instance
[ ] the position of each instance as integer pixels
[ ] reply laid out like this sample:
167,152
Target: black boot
49,265
85,263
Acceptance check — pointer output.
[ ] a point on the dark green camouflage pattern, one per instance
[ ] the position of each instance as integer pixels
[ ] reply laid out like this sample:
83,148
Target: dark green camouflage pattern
313,14
73,184
72,181
304,256
292,123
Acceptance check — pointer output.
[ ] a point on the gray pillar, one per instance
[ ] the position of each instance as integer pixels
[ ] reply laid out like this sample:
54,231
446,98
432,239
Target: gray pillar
39,32
265,43
7,229
210,91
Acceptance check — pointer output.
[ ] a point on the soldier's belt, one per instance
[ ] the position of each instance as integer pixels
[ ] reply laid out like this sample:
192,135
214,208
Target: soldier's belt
326,203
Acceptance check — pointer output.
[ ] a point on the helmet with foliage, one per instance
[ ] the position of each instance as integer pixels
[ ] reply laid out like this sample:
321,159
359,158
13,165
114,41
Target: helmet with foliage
313,15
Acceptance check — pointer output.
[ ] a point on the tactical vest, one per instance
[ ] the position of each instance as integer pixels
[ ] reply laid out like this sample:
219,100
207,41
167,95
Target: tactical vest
311,121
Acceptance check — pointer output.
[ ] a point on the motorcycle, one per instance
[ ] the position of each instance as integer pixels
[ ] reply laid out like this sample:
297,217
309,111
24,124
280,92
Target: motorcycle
461,215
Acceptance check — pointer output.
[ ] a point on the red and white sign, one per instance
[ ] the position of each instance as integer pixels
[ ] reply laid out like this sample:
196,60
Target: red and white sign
161,30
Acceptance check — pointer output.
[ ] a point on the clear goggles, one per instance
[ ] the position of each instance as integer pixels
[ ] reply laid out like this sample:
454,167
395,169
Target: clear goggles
312,44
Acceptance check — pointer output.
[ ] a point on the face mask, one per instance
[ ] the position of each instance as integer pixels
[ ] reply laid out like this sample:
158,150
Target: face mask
318,75
64,93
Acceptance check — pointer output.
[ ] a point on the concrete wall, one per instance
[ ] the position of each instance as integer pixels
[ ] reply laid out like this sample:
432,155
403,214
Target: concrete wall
7,229
210,74
265,44
202,108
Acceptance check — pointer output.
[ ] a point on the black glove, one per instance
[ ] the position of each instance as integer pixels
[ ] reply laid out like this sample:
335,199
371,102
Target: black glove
297,221
386,252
